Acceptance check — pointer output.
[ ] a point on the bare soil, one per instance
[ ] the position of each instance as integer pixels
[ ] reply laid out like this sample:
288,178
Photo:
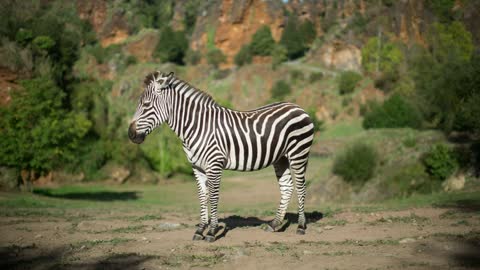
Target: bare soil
123,238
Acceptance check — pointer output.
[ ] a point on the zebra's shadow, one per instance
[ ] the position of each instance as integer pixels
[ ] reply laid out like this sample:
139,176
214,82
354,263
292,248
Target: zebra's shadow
235,221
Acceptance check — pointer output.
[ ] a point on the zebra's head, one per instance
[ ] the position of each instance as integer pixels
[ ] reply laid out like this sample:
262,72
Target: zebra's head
153,108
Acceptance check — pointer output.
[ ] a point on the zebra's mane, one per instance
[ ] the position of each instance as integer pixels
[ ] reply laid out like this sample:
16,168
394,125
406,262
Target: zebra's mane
176,81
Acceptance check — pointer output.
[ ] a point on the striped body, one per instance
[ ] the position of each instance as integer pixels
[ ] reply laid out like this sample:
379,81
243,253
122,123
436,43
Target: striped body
217,138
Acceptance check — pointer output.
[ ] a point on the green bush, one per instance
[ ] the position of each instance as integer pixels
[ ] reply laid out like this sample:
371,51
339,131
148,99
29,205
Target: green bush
318,125
280,90
43,43
215,57
24,36
347,81
440,162
315,76
279,55
37,133
262,41
308,32
409,180
357,163
395,112
171,46
244,56
292,38
192,57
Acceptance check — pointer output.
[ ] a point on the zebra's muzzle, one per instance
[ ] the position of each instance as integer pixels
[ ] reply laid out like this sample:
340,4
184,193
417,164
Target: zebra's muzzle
133,135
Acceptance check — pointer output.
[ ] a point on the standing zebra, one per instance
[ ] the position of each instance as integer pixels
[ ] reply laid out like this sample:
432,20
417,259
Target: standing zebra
217,138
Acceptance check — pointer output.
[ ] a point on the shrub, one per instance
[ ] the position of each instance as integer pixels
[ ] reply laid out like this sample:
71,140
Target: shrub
440,162
409,180
215,57
357,163
315,76
279,55
395,112
192,57
37,133
347,81
262,41
171,46
43,43
308,32
24,36
318,125
244,56
292,39
379,56
280,90
296,75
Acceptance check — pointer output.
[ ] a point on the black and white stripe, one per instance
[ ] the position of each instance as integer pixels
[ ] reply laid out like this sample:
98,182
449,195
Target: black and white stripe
217,138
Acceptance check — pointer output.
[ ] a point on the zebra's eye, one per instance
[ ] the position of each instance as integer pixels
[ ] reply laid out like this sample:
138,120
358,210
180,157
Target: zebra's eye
147,103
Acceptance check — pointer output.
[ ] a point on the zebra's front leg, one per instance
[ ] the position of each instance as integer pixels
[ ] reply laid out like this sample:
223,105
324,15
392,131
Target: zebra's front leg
214,175
203,198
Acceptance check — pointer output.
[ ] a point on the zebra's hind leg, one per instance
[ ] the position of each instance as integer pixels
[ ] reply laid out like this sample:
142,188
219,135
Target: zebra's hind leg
203,198
284,177
299,169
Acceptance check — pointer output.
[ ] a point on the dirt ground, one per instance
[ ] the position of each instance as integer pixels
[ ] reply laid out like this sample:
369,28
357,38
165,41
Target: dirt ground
135,238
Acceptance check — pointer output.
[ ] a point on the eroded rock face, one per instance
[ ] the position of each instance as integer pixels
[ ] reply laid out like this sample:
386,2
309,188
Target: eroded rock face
143,46
341,56
110,31
230,24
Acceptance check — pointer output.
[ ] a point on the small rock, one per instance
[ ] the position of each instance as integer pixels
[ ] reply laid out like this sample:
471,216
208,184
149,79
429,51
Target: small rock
328,227
38,236
407,240
306,252
454,183
168,226
319,230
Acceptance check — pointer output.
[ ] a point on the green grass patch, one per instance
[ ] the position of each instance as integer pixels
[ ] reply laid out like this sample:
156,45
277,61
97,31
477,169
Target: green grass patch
341,130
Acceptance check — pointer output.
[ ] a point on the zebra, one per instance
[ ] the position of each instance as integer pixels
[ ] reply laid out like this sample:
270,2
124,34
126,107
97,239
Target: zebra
216,138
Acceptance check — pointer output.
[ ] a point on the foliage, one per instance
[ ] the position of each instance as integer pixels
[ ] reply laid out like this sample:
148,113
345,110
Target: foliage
43,43
215,57
280,90
192,57
308,32
442,8
393,113
382,56
244,56
315,76
262,42
171,46
440,162
279,55
292,38
450,42
318,125
24,36
296,75
164,153
357,163
409,180
347,81
37,133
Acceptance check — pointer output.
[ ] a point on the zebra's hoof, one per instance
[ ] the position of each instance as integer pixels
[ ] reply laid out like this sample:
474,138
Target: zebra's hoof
197,237
210,238
268,228
300,231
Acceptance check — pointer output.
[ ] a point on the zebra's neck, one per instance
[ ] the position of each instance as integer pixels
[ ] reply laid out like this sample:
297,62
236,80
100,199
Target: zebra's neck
188,106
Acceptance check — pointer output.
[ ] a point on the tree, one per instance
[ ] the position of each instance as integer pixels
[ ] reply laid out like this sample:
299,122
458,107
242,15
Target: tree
292,38
172,46
450,42
215,57
37,134
244,56
381,56
308,32
395,112
347,81
262,41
